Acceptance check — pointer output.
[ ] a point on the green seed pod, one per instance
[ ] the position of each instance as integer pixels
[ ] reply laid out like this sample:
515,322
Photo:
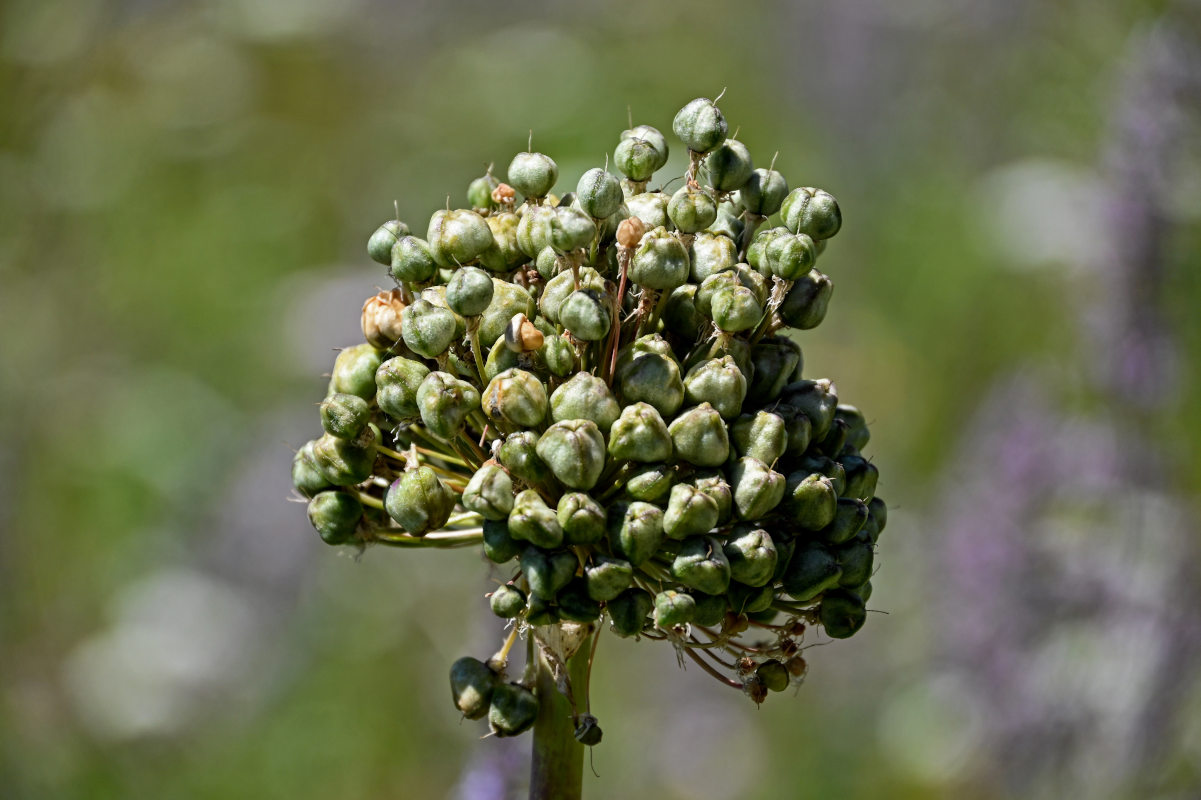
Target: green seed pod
629,611
519,455
654,379
757,488
471,686
607,227
638,158
773,674
575,604
335,516
444,403
751,554
649,133
585,397
428,329
699,436
651,208
457,237
710,608
856,557
826,466
775,359
763,193
816,399
533,174
700,125
813,212
635,530
714,485
531,520
805,305
607,577
562,286
861,477
581,518
379,246
571,229
691,210
701,564
499,546
479,192
689,512
680,316
588,732
740,275
345,462
541,612
489,493
345,415
651,344
500,358
879,511
791,257
673,608
857,433
756,254
508,300
728,223
586,315
558,356
575,452
640,434
849,517
599,193
534,229
419,501
354,371
718,382
842,613
515,398
729,165
436,295
306,477
735,309
412,261
812,570
810,500
547,573
650,482
513,711
710,254
762,435
507,602
750,599
660,261
469,291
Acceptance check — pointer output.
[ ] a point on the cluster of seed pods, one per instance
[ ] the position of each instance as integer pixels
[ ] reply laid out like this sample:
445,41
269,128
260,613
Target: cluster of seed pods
599,390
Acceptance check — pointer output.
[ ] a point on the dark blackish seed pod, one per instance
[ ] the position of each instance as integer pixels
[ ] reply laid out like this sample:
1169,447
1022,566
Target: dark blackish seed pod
335,516
379,246
701,564
398,380
345,415
827,466
489,493
691,210
729,165
710,609
575,604
800,430
835,439
857,433
673,608
354,371
635,530
444,402
575,452
774,359
507,601
813,212
472,685
499,546
864,591
773,674
680,317
513,711
419,501
588,731
607,577
842,613
650,482
519,455
412,261
817,399
531,520
581,518
599,193
751,554
763,193
805,305
879,511
862,476
547,572
469,291
306,477
746,599
638,158
700,125
812,570
541,611
849,518
533,174
629,611
856,557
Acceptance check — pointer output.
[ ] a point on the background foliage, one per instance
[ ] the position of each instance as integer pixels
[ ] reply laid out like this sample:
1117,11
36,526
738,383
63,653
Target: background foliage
185,193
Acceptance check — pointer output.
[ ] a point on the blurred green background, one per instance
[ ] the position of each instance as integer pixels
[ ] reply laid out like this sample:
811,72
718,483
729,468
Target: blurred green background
186,189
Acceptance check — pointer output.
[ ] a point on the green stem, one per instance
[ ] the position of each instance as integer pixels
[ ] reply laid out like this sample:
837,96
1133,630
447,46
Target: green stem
557,768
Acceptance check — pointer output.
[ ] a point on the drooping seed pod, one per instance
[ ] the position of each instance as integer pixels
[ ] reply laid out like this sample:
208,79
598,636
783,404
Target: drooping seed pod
630,610
379,246
728,223
575,604
856,557
812,570
306,477
562,286
489,493
412,261
607,577
507,601
752,555
757,488
849,517
508,300
533,174
479,192
419,501
811,500
773,674
571,229
715,486
499,546
775,359
790,257
650,482
547,572
472,685
817,399
504,254
811,211
709,609
469,291
746,599
700,125
842,613
806,303
762,435
513,711
519,455
335,515
345,462
651,134
858,434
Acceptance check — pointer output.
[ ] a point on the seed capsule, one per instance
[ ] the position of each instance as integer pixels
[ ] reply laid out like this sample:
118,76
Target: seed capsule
519,455
515,398
673,608
499,546
701,564
575,452
345,462
428,329
638,158
585,397
469,291
849,517
586,315
571,229
856,557
757,488
718,382
691,210
513,711
651,134
763,193
812,570
562,286
635,530
762,435
812,211
508,300
457,237
507,602
773,674
335,516
710,608
547,573
588,731
398,380
660,262
805,305
345,415
575,604
489,493
379,246
746,599
842,613
791,257
699,436
471,686
714,485
700,125
751,554
650,482
607,577
479,192
810,500
381,319
649,208
651,378
419,501
354,371
710,254
861,477
533,174
412,261
816,399
306,477
581,518
858,434
775,360
729,165
532,521
629,611
689,512
598,193
640,434
444,403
